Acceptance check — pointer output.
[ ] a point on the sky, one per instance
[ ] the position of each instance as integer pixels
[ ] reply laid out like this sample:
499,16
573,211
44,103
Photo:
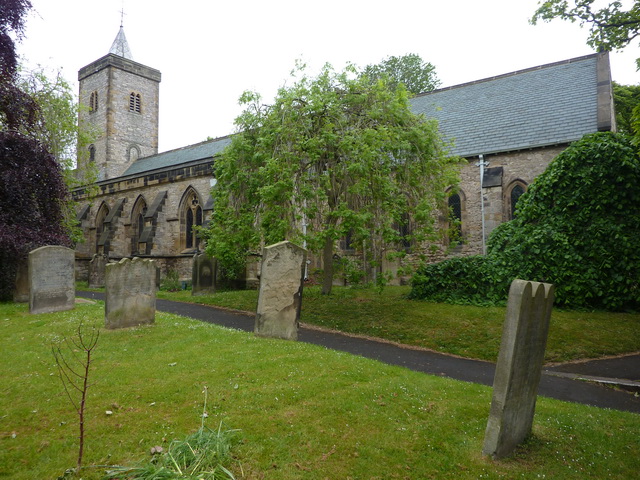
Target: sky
209,52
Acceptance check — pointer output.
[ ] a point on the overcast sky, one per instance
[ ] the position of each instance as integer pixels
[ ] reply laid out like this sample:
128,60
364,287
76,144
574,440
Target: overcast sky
210,52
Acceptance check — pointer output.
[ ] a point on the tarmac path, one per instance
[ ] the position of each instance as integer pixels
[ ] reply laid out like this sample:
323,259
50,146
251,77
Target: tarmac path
563,382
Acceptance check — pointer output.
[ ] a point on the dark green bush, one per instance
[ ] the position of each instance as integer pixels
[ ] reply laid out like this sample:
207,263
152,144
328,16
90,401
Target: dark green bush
464,280
578,227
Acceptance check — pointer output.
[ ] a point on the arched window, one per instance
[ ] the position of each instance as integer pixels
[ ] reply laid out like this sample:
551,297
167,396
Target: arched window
512,195
191,217
93,102
134,102
137,226
404,230
92,153
455,216
133,153
103,211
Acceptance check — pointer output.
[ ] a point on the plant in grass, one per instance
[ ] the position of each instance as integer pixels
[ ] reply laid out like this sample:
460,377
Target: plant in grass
171,282
73,370
202,455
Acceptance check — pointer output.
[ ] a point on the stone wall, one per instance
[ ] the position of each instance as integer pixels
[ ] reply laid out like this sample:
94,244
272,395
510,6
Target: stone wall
167,245
163,194
125,135
522,167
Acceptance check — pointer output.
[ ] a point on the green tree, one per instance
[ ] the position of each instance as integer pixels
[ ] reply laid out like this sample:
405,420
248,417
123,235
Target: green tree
414,73
333,156
32,190
610,27
627,104
57,127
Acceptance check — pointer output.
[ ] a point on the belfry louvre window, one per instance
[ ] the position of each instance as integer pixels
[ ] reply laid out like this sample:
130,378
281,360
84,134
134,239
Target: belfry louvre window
134,102
93,102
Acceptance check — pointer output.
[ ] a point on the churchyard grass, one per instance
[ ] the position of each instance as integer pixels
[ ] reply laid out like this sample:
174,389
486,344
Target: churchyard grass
464,330
304,412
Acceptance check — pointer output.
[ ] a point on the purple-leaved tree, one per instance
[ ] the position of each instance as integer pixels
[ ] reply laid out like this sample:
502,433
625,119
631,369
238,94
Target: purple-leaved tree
32,188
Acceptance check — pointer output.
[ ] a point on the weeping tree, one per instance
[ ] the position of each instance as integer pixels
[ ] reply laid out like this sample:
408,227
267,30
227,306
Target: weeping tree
334,156
32,188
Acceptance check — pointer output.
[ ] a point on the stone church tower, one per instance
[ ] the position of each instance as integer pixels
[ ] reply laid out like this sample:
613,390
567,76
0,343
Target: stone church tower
122,98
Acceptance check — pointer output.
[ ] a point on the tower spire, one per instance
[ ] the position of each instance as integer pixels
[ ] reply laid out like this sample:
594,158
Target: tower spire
120,46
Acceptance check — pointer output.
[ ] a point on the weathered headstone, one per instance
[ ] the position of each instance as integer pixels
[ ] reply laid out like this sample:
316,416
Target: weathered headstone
515,386
97,267
52,286
280,296
21,293
203,276
130,298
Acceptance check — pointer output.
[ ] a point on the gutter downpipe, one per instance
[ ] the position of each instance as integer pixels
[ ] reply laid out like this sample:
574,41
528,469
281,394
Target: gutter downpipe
482,163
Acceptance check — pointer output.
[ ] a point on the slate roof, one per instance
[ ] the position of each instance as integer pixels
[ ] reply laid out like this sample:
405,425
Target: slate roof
546,105
551,104
191,153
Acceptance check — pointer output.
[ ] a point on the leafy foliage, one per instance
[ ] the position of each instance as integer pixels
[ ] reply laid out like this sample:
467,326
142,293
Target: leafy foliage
12,18
627,105
578,227
56,126
32,190
410,70
200,456
459,280
334,156
611,27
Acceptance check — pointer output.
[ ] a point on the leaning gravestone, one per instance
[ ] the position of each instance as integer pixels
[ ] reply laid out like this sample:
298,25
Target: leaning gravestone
203,274
515,386
130,293
97,267
52,286
280,296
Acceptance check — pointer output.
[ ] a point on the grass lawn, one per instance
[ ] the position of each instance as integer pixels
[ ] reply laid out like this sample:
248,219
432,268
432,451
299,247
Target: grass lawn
303,412
468,331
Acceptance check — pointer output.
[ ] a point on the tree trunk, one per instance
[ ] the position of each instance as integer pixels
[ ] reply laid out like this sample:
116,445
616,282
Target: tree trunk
327,263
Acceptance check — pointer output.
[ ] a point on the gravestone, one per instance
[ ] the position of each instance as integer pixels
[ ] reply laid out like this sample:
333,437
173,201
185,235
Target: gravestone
130,298
21,293
280,296
203,274
515,386
97,267
51,273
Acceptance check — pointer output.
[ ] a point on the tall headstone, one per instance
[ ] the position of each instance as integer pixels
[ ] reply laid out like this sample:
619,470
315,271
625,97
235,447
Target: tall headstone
203,274
280,296
52,286
519,367
97,267
130,296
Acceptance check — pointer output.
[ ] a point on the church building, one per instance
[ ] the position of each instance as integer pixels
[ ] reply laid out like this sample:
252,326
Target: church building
508,127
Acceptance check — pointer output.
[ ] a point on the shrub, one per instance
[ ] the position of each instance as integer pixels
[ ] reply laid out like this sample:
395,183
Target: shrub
463,280
578,227
171,283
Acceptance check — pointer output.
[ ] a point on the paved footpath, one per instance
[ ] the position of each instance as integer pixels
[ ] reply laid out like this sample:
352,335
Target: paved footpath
563,382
